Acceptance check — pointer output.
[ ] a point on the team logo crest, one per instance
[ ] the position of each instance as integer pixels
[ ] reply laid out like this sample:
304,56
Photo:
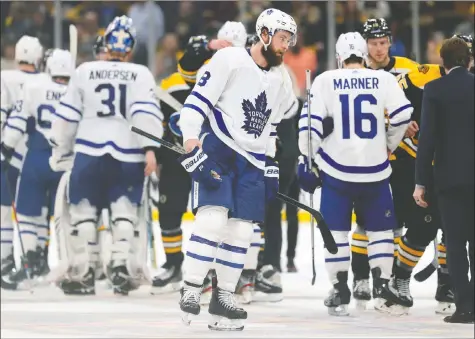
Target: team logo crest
428,218
387,214
256,116
423,69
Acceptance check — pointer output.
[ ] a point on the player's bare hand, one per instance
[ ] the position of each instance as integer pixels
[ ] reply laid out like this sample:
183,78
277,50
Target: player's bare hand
190,145
412,129
419,196
216,44
150,163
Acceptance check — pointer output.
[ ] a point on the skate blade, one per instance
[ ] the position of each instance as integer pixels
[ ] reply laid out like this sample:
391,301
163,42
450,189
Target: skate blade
218,323
186,318
339,311
170,288
445,308
267,297
362,305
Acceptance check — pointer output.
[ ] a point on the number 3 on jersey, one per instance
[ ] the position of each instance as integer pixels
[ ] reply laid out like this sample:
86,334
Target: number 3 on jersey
204,78
358,116
109,101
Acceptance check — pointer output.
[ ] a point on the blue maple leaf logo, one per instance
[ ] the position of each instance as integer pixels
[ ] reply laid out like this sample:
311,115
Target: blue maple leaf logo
256,116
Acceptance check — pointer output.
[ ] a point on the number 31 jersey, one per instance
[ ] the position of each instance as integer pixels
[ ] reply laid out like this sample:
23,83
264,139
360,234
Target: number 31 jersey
103,100
356,99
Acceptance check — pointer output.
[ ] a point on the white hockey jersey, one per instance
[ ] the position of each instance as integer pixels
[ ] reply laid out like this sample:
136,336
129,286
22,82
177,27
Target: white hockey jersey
103,100
40,101
12,87
356,99
244,103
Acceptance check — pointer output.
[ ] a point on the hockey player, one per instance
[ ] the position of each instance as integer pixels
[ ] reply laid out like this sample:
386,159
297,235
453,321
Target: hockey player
378,37
353,162
229,129
175,182
419,235
28,54
103,99
38,182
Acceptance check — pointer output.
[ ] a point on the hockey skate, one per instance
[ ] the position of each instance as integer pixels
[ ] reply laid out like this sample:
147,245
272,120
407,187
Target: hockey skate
340,296
446,300
268,286
85,286
189,302
226,315
121,281
245,287
208,283
361,293
7,268
291,268
168,280
35,264
385,300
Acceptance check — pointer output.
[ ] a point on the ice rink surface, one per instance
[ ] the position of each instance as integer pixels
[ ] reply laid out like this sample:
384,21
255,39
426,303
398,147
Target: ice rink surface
47,313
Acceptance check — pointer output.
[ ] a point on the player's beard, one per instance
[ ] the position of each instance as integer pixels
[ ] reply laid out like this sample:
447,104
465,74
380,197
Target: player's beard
272,57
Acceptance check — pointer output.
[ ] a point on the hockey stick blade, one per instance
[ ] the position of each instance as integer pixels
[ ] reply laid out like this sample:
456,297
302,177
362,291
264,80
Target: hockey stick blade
424,274
165,143
327,236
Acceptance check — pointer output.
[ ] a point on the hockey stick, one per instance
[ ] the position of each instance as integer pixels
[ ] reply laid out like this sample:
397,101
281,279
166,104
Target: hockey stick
328,239
309,159
73,43
168,99
425,273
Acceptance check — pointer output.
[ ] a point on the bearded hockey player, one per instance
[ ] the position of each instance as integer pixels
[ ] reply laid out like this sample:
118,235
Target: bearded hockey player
378,37
175,182
110,162
229,130
353,162
28,54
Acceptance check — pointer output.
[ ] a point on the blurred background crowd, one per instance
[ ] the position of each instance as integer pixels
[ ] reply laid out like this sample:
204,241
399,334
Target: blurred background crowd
164,27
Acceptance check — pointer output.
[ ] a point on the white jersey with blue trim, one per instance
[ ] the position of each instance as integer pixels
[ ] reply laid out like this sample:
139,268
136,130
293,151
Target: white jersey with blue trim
356,100
243,102
103,100
12,85
40,100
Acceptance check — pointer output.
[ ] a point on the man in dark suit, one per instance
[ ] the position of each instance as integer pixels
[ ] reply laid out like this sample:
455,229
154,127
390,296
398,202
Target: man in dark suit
447,140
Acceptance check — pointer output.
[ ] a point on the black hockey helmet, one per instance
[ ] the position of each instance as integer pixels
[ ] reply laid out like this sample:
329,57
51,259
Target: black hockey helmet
468,40
46,56
376,28
99,46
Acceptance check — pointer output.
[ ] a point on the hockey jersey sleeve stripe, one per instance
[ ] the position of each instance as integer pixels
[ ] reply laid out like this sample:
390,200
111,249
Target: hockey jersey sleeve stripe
273,134
313,129
17,117
13,127
312,116
111,144
71,108
196,108
353,169
399,110
64,118
401,123
145,103
203,99
4,110
146,112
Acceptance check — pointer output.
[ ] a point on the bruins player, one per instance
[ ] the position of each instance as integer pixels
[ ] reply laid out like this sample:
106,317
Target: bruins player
175,183
378,37
424,223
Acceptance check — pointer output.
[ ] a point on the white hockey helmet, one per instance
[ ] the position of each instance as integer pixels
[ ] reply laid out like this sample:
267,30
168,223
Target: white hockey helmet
29,50
60,64
275,20
349,44
234,32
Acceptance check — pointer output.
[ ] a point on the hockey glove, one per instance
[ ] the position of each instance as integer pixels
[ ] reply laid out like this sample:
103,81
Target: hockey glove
6,155
201,168
61,162
309,178
271,177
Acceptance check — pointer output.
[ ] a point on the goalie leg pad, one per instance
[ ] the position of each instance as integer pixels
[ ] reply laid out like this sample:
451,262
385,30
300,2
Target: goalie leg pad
124,215
340,261
203,244
231,253
6,232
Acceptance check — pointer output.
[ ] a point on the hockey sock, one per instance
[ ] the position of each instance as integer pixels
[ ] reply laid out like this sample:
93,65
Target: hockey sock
6,231
359,254
32,232
231,253
172,245
442,258
339,262
381,251
407,258
253,251
202,246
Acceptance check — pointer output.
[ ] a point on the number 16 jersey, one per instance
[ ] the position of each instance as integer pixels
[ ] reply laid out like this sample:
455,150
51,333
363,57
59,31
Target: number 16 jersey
103,100
356,99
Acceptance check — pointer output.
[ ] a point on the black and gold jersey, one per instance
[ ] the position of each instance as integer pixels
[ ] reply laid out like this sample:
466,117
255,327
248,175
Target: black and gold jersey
413,84
195,55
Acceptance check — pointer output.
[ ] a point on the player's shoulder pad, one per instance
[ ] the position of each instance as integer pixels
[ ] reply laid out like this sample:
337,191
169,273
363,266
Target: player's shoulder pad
231,55
404,64
174,82
424,74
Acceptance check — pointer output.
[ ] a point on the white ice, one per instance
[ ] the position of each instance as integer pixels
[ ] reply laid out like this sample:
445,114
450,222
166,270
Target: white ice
47,313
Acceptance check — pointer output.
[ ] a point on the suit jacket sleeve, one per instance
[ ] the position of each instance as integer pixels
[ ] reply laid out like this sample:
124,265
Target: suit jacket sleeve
427,135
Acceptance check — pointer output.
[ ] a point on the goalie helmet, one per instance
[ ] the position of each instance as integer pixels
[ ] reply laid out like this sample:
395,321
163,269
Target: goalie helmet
29,50
376,28
234,32
349,44
275,20
120,35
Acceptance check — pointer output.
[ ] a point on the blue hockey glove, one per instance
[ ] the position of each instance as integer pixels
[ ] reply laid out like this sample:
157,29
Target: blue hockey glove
271,177
309,178
201,168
